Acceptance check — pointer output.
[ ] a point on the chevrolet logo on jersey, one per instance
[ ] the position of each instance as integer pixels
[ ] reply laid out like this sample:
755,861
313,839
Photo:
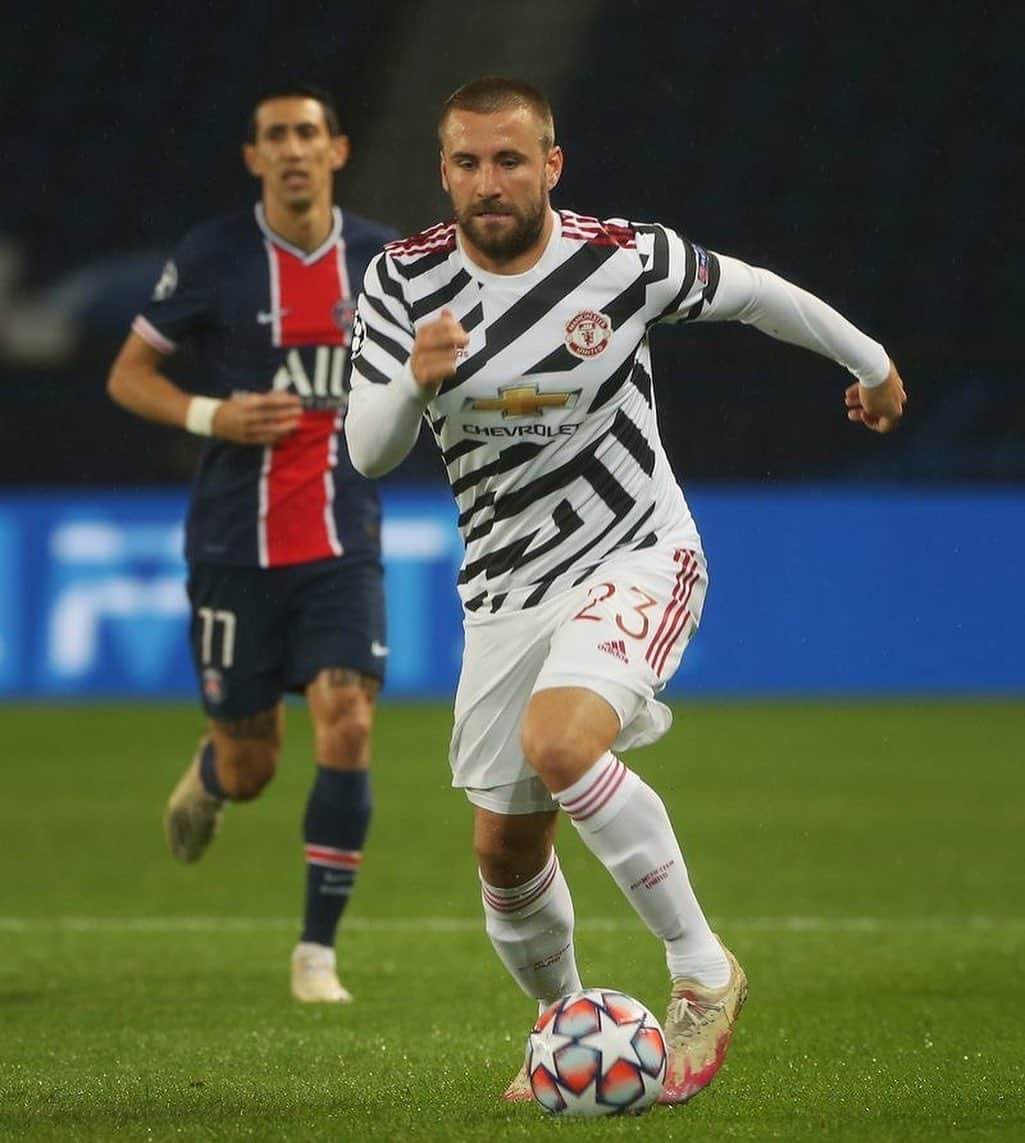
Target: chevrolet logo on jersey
521,401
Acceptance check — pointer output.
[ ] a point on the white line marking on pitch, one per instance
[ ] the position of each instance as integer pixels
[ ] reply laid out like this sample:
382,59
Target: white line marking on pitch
213,924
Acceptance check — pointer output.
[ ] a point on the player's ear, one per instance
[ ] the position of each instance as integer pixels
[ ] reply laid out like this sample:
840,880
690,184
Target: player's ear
444,175
341,149
251,158
553,166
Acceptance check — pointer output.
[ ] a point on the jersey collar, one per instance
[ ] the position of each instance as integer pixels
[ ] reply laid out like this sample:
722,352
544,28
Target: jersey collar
306,258
541,267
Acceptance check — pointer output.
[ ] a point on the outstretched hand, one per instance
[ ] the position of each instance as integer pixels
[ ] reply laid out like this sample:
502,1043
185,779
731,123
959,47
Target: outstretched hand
436,349
879,408
257,418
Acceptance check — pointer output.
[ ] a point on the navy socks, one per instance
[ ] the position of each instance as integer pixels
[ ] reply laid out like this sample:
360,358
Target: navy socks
208,772
334,829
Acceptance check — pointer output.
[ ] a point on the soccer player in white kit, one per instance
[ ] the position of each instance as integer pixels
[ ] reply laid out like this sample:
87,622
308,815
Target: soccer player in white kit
520,334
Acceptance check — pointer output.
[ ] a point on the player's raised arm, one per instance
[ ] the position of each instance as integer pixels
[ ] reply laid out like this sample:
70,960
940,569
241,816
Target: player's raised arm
782,310
395,373
137,384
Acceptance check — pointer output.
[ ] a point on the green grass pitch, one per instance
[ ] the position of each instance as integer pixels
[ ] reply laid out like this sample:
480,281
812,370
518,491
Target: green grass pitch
866,862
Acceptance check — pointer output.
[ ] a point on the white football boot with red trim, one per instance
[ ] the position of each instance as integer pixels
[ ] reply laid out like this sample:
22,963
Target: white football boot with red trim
519,1089
699,1027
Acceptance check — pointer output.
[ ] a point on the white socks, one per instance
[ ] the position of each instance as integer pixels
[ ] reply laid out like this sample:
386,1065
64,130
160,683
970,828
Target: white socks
531,929
624,823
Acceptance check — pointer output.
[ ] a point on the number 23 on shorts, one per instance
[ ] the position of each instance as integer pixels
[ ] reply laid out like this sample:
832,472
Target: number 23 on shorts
645,617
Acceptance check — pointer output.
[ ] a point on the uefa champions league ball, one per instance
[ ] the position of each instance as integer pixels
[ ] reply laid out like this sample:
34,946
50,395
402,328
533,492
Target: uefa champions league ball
596,1052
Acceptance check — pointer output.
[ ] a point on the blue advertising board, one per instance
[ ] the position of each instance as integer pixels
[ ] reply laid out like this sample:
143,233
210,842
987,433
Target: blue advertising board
814,591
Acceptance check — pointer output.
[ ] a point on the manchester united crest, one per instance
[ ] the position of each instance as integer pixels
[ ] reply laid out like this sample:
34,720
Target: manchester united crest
588,334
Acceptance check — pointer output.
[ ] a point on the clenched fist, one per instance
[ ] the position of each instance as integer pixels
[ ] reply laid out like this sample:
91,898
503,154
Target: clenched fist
435,350
879,408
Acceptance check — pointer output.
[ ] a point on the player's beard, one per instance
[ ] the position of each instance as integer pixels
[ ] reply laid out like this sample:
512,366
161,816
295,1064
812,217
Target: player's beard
508,244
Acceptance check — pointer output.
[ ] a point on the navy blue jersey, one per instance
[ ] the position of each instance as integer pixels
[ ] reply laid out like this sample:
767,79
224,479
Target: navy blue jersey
262,315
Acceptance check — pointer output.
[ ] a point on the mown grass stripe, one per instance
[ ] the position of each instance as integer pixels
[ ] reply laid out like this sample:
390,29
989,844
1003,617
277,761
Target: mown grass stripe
793,924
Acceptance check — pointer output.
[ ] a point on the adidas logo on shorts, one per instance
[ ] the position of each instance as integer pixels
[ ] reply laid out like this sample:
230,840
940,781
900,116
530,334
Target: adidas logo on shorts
616,648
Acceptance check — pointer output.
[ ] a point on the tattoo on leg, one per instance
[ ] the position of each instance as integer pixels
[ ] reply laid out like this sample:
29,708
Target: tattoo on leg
347,677
342,677
261,726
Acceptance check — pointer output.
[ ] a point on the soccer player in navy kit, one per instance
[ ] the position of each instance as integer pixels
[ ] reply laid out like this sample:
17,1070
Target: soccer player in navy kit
283,535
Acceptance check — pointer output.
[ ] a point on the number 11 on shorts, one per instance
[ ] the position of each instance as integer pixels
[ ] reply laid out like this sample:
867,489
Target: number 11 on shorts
210,619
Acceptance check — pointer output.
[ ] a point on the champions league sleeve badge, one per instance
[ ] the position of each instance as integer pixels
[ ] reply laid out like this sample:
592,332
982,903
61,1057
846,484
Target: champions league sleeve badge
357,336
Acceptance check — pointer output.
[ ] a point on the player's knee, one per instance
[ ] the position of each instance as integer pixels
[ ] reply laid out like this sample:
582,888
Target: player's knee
342,737
553,754
507,860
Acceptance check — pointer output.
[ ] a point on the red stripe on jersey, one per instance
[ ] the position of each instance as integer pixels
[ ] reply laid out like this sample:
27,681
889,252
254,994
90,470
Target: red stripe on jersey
441,236
297,492
597,233
298,526
308,295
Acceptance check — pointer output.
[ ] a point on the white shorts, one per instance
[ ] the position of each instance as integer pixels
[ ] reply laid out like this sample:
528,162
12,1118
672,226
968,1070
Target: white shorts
620,634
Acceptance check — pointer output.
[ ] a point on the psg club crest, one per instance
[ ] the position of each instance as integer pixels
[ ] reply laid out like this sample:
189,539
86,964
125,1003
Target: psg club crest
343,314
213,685
588,334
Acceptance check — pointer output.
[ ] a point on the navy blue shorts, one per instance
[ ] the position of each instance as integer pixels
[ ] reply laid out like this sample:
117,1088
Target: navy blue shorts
259,633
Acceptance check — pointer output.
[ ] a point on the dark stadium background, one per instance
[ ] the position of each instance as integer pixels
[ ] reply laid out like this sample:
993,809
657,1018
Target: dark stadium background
866,151
845,772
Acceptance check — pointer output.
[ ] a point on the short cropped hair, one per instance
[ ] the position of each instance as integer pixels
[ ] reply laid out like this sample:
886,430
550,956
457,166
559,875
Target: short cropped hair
493,93
298,90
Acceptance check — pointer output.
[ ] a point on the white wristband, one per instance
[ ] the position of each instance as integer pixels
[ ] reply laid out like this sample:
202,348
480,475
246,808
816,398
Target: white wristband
199,417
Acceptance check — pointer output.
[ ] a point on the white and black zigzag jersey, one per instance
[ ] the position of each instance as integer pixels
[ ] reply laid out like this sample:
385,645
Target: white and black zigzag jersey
548,428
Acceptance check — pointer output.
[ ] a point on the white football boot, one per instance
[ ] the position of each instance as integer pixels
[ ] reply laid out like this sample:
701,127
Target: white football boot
192,816
519,1088
314,976
698,1028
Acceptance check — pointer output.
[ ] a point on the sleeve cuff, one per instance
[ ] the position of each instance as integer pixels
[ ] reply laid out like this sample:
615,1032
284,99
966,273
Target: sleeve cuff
877,371
149,333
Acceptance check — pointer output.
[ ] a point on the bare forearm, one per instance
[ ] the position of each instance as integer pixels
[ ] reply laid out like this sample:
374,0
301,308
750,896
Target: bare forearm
148,394
137,384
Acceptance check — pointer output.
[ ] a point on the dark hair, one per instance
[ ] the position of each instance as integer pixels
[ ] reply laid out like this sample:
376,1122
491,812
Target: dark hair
493,93
298,90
